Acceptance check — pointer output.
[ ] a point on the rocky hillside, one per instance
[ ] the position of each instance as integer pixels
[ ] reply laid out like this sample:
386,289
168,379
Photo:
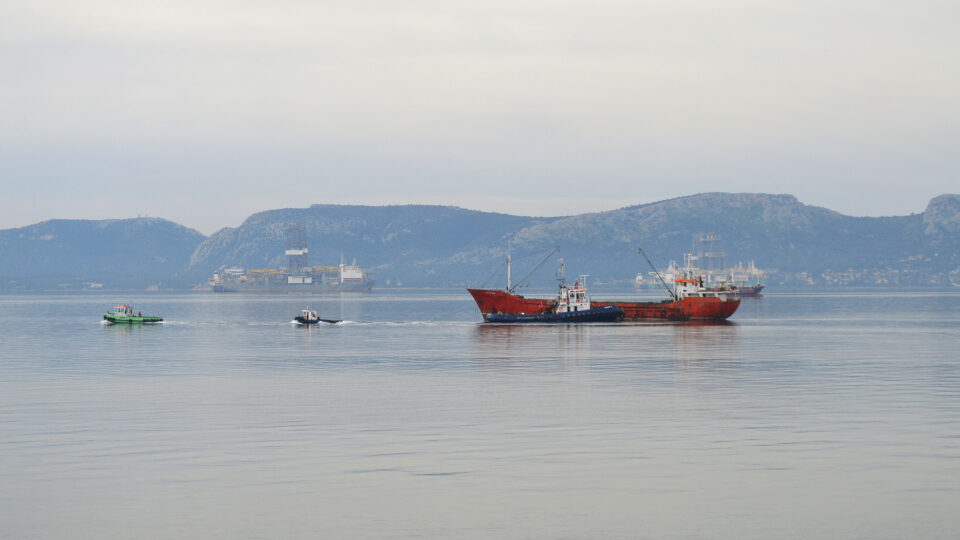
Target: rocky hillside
117,253
442,246
421,245
776,231
447,246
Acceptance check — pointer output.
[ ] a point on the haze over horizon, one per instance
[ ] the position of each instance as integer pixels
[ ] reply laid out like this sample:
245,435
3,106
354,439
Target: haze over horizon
204,113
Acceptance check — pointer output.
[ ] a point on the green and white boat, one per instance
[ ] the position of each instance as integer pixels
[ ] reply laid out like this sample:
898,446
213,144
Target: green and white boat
123,314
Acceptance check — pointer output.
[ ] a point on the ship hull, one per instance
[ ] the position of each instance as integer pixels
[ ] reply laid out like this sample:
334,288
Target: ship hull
303,320
121,319
687,309
599,314
750,290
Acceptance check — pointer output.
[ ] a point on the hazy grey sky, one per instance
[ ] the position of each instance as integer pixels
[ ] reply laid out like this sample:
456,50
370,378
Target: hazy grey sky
206,111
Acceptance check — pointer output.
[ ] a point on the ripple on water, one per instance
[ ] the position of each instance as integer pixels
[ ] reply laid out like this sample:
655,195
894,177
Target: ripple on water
823,415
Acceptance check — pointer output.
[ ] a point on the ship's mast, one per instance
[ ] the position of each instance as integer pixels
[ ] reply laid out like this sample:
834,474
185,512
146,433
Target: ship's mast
509,288
532,270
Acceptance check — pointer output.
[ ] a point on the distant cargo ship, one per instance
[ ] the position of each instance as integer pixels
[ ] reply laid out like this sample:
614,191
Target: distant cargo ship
297,276
745,279
707,261
345,278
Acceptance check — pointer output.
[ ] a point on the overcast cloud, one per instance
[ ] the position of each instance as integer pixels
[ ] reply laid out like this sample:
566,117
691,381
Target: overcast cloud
204,112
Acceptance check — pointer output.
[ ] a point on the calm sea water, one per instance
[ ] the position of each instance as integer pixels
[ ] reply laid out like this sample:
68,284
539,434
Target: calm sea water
808,416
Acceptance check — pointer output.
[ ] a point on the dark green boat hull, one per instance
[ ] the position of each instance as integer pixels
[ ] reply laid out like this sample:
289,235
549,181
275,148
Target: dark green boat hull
120,319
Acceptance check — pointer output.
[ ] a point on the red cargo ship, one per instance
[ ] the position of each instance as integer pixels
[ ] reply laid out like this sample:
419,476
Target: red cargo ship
690,301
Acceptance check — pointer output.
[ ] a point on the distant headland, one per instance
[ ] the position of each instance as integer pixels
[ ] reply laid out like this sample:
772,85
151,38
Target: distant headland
446,246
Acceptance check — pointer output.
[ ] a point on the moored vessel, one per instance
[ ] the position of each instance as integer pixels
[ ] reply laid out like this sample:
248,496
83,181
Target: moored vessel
297,276
572,305
689,300
342,278
748,290
123,313
740,279
707,260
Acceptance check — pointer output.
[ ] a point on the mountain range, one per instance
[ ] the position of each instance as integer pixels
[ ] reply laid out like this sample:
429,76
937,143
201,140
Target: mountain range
444,246
115,253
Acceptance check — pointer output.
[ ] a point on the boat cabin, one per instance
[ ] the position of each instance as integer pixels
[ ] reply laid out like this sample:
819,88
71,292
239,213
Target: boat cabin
574,298
123,310
309,315
687,287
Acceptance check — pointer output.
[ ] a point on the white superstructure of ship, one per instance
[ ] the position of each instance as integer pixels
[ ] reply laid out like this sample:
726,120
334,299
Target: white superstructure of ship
706,262
345,277
748,279
298,275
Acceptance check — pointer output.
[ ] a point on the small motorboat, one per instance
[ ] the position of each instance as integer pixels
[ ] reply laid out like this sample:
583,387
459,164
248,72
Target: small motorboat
123,313
309,316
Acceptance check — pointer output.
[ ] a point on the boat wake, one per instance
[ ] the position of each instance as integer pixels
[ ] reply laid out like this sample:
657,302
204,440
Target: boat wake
414,323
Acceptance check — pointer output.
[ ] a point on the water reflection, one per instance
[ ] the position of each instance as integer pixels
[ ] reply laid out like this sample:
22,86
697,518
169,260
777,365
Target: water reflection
626,346
705,344
534,346
830,406
122,332
510,335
